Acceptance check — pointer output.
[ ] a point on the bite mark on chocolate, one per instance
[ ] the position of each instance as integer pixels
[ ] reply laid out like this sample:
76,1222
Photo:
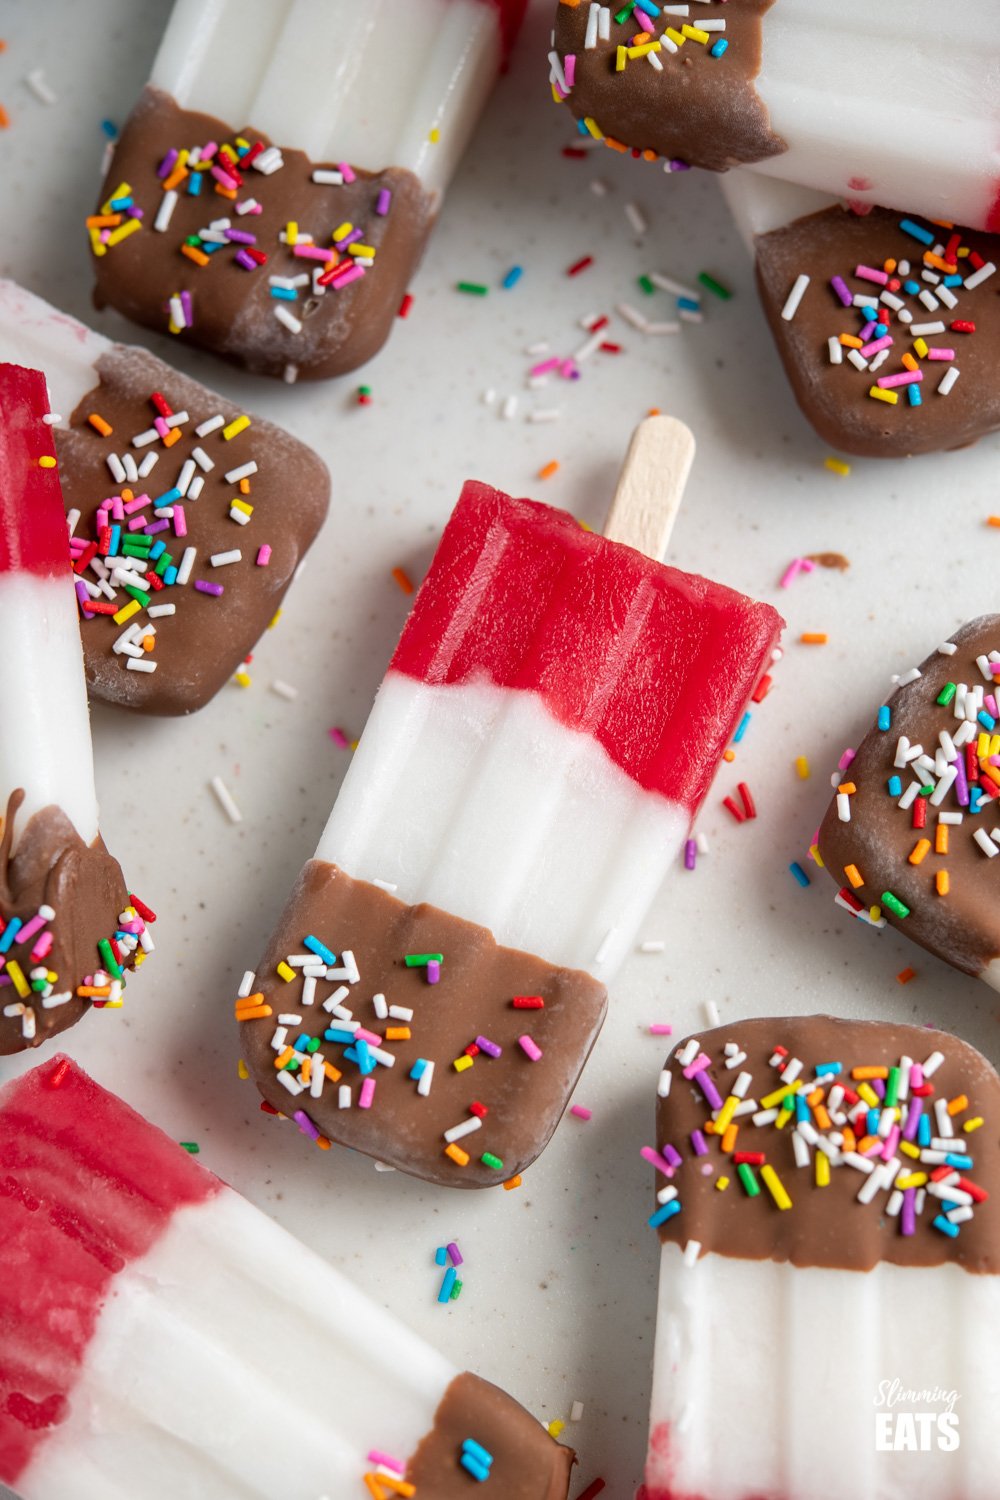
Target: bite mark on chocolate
226,301
827,1226
698,110
452,1093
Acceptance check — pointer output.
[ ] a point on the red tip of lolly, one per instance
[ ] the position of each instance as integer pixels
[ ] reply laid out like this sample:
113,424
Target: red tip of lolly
32,518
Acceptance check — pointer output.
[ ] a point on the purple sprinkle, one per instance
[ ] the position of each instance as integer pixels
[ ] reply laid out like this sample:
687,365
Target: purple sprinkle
348,239
136,213
167,164
708,1088
155,526
908,1215
490,1048
676,165
672,1155
246,261
456,1254
878,1084
867,331
240,237
690,854
188,307
84,598
383,201
215,589
699,1143
842,290
433,971
961,782
306,1125
912,1120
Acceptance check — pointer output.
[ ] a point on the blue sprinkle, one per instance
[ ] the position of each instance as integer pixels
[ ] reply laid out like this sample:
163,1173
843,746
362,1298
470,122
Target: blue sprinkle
512,277
801,1108
320,949
648,7
688,304
956,1159
913,395
10,933
987,720
303,1042
880,330
170,576
743,726
719,47
168,497
116,541
473,1467
450,1277
799,873
119,203
581,128
916,231
194,183
946,1227
110,129
895,786
419,1068
365,1060
338,1034
478,1452
285,293
157,550
826,1070
913,287
209,247
885,717
924,1131
976,799
441,1256
873,1122
952,281
663,1214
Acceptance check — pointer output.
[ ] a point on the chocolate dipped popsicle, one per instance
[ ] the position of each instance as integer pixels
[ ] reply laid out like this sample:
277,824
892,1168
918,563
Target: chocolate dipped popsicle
69,930
828,1206
189,517
273,189
912,833
549,724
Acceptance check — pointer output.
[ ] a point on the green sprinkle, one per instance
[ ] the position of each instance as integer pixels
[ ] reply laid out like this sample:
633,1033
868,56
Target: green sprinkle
108,960
925,791
313,1046
165,562
714,286
645,285
621,16
456,1290
139,594
749,1181
946,694
364,390
489,1160
191,1147
894,904
892,1087
421,960
473,288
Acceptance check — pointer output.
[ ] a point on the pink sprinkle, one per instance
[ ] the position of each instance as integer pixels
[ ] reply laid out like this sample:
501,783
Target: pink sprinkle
221,175
371,1037
339,737
661,1028
656,1160
43,947
263,556
312,252
940,354
808,566
180,521
644,21
905,377
529,1048
118,508
366,1094
377,1457
544,368
699,1065
868,273
569,63
353,273
791,572
137,523
161,426
136,503
876,346
582,1112
348,174
991,705
30,928
845,759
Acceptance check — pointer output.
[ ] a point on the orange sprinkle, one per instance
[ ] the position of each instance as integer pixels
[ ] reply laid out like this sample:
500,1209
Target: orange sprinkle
822,1118
920,851
512,1183
814,638
941,839
103,221
334,1074
457,1154
193,253
148,642
847,786
283,1057
993,520
4,118
177,176
654,411
244,486
98,423
869,1072
403,579
172,437
854,875
942,882
398,1034
958,1105
849,341
910,362
729,755
89,991
547,470
905,975
729,1138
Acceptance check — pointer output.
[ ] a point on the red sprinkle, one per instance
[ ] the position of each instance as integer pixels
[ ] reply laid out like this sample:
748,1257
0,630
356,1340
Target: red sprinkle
920,813
749,805
763,688
580,265
731,806
575,153
752,1158
475,1108
59,1073
146,912
528,1002
472,1050
962,325
162,404
610,348
593,1490
404,306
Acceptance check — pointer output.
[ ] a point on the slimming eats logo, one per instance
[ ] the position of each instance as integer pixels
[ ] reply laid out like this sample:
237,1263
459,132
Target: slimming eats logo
908,1421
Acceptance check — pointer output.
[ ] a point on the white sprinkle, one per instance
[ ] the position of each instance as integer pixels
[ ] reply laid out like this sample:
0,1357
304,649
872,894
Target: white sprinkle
544,414
177,316
400,1013
287,317
165,211
928,299
243,472
225,800
117,468
794,297
290,374
857,359
652,945
556,73
159,611
590,39
702,841
140,664
382,1166
465,1128
604,23
327,178
952,819
386,885
425,1081
663,1087
289,1081
985,843
576,1411
978,277
711,1010
692,1250
879,360
509,409
836,349
344,1096
210,425
602,953
637,219
187,563
631,315
148,464
284,689
39,86
196,486
922,330
381,1007
599,188
947,381
223,559
246,985
843,807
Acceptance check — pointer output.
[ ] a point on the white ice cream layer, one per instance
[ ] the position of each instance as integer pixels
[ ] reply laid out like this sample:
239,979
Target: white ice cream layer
231,1363
892,96
364,83
45,745
475,798
778,1380
759,204
35,334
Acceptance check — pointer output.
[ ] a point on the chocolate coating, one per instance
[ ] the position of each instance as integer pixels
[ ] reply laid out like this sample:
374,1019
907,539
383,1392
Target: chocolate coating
234,313
962,927
52,866
527,1463
834,398
826,1226
700,110
200,646
524,1099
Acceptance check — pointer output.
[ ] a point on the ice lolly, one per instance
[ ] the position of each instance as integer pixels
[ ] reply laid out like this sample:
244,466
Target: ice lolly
548,726
912,832
777,87
274,187
190,518
68,927
875,315
161,1337
829,1212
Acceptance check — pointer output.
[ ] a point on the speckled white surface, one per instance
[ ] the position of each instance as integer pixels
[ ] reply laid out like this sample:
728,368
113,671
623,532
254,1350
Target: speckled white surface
560,1291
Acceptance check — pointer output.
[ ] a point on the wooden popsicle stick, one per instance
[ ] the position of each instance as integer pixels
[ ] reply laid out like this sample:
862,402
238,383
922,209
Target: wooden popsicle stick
651,486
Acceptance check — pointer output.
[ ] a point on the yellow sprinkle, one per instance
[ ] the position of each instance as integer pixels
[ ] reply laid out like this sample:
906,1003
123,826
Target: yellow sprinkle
822,1170
837,466
725,1114
462,1063
274,619
816,857
921,347
46,461
695,33
358,249
241,505
920,851
784,1115
122,232
875,912
675,36
910,1180
722,1183
909,1149
342,230
457,1154
869,1095
291,237
243,679
770,1101
974,1124
286,971
942,882
20,983
775,1186
127,611
593,128
982,746
556,1427
236,426
643,49
242,1071
434,136
802,766
878,394
854,875
621,57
